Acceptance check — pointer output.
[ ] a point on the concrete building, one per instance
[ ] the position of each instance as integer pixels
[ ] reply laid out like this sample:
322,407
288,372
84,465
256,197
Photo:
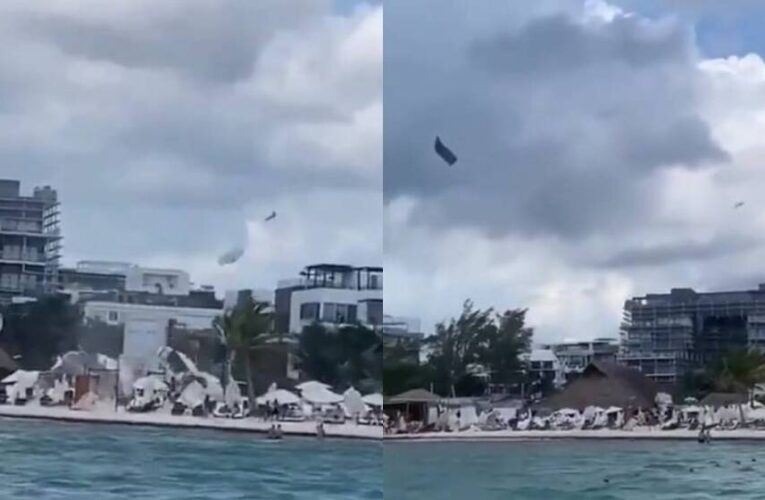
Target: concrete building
665,335
30,241
402,339
575,356
331,294
544,366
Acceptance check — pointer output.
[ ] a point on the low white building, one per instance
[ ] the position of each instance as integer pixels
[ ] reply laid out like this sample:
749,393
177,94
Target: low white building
333,295
128,277
146,326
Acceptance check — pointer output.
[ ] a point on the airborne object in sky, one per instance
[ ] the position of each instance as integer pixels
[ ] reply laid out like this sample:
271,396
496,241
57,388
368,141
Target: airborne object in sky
445,153
271,217
231,256
739,204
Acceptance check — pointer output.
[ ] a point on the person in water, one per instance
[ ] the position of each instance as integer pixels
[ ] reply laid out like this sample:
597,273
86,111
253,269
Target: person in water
320,429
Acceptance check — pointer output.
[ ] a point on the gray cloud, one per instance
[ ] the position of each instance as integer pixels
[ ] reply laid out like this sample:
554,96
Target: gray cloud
559,125
164,126
209,41
684,252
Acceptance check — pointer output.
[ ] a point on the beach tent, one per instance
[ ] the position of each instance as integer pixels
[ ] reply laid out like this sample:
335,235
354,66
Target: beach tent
375,399
19,382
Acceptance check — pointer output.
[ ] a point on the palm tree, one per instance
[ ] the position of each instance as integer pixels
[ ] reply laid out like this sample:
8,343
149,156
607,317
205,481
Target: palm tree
740,372
244,329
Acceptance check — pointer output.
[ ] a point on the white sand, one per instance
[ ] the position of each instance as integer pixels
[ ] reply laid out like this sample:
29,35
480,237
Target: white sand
639,433
164,419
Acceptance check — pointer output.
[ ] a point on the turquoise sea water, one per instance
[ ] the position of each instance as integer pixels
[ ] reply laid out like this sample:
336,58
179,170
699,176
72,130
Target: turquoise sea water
51,460
581,470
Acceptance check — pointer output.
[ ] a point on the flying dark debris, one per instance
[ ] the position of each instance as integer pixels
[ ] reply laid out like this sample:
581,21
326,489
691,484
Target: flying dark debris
271,217
739,204
445,153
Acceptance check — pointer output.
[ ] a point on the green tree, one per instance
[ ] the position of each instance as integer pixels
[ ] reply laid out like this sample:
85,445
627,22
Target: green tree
41,330
481,338
245,328
350,355
740,371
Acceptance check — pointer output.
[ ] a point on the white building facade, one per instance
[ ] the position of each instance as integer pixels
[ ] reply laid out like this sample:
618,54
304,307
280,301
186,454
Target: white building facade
146,326
334,295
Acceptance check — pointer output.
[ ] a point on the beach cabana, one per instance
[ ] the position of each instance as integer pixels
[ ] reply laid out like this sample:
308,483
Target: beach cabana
412,404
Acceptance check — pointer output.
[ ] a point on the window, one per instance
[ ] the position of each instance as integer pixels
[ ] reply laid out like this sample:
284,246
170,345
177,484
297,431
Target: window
329,313
375,312
339,313
309,311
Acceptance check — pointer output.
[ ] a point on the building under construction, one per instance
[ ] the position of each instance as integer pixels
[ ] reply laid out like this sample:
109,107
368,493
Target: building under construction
30,241
666,335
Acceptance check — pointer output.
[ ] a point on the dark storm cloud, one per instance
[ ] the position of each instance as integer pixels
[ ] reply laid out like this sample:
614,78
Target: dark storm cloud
559,124
680,252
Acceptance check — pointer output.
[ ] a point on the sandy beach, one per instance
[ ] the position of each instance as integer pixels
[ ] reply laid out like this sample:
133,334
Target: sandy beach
158,419
640,433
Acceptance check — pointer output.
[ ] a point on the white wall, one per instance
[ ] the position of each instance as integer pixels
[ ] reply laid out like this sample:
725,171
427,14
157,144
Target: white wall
322,295
143,279
119,313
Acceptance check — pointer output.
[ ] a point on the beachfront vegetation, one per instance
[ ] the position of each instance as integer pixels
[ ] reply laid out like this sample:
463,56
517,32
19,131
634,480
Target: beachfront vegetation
246,328
467,353
36,332
736,372
343,357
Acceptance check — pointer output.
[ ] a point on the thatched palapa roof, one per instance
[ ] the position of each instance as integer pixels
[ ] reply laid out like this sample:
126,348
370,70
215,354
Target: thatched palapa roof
415,396
605,384
718,399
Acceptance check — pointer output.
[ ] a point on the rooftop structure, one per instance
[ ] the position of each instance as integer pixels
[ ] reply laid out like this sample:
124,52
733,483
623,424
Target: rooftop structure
331,294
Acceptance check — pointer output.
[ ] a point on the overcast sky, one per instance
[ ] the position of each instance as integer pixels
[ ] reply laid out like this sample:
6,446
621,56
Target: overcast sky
172,128
601,148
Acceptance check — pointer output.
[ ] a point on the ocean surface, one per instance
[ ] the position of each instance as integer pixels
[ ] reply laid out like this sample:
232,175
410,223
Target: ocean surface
52,460
581,470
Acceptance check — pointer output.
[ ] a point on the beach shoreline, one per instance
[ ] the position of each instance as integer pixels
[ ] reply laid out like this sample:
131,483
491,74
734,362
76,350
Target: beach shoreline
603,435
249,425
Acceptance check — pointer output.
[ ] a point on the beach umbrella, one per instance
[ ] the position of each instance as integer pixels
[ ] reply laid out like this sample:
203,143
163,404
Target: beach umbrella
281,396
375,399
193,395
353,402
79,363
312,385
321,396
